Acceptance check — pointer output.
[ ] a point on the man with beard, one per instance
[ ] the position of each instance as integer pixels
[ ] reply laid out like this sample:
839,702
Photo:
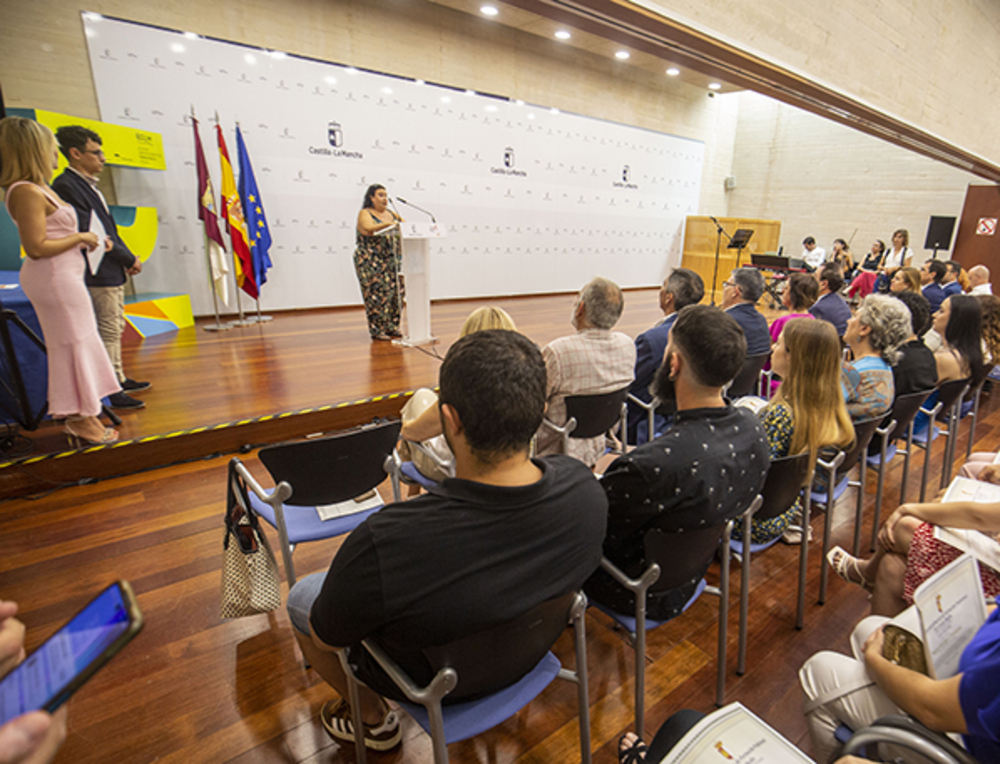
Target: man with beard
705,470
508,532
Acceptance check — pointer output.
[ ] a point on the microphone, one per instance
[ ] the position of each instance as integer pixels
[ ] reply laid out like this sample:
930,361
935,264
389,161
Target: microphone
421,209
712,218
393,205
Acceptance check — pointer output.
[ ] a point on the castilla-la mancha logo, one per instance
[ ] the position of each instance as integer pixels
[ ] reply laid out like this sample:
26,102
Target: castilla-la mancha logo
335,137
508,165
626,181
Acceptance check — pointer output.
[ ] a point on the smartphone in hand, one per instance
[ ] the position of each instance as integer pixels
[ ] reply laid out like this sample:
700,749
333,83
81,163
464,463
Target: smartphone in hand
59,667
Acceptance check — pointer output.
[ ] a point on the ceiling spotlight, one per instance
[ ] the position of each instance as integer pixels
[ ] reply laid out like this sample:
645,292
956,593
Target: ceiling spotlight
192,36
489,10
562,34
622,55
673,71
278,54
445,99
419,82
714,86
387,91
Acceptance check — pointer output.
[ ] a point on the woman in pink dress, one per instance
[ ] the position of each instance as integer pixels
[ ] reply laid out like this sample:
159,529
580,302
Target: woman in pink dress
800,293
80,373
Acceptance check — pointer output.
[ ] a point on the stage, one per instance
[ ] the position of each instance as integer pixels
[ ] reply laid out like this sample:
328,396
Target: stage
301,373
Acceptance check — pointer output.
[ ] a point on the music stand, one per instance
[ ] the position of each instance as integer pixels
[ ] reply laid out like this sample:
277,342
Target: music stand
738,241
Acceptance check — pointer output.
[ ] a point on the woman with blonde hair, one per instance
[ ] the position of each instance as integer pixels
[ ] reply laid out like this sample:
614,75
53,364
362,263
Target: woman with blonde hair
807,413
421,414
80,372
906,279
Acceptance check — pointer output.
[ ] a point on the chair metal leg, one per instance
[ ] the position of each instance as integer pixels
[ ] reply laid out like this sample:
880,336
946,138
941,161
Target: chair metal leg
436,719
741,661
954,419
720,676
906,462
582,692
973,421
354,698
827,529
877,519
639,642
927,464
803,557
859,509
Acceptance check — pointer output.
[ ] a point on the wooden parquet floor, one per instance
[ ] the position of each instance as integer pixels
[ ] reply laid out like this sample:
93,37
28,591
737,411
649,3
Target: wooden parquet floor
195,688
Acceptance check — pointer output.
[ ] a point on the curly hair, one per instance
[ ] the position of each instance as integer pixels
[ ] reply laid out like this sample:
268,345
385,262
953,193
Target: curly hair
890,324
991,325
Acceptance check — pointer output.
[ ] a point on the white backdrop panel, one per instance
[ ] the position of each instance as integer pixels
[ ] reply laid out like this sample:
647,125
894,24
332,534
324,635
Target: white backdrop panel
534,200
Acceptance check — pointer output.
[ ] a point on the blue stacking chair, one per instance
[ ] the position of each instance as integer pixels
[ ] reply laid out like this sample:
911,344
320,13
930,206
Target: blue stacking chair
320,472
970,407
903,731
949,399
837,474
674,560
787,479
588,416
904,409
504,667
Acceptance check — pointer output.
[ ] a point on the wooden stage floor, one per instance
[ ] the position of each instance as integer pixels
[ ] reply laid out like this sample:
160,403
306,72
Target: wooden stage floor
196,689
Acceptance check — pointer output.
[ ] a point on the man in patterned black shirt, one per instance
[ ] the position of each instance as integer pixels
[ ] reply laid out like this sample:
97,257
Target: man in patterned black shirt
705,470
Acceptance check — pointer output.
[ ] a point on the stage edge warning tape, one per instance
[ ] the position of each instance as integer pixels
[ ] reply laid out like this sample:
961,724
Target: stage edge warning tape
198,430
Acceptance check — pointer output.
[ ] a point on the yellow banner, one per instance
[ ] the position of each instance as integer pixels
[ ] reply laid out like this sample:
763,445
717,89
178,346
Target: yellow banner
123,146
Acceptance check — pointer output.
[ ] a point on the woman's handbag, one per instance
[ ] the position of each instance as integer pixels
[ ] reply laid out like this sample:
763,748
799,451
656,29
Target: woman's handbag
250,583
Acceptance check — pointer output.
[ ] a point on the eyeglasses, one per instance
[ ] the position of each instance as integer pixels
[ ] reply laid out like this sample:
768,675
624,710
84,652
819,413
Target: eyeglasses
98,153
729,283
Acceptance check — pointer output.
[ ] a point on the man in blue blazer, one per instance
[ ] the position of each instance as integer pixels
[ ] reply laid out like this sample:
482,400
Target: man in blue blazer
682,287
78,186
831,306
932,273
950,281
739,299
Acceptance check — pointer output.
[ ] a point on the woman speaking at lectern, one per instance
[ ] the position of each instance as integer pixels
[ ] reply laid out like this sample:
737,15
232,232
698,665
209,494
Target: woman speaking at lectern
377,261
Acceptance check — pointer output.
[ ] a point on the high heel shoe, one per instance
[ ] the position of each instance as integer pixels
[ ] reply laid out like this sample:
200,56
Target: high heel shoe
76,440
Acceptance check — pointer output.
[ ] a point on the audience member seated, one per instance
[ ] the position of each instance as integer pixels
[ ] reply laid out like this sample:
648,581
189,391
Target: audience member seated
907,553
864,282
32,738
959,324
951,284
857,691
422,416
984,466
905,279
990,305
507,533
739,299
682,287
831,306
706,469
873,334
931,276
808,410
842,258
813,256
594,360
979,280
798,297
963,280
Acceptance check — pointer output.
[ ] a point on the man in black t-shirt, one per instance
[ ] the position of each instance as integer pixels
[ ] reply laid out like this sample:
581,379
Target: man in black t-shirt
706,469
505,534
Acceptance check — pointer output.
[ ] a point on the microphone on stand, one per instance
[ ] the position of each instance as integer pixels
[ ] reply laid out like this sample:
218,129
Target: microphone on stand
421,209
393,205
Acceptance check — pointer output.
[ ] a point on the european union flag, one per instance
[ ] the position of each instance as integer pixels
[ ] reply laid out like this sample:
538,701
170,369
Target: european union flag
258,233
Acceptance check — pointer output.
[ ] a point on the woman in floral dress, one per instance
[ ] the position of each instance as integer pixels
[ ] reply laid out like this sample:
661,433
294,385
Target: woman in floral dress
377,261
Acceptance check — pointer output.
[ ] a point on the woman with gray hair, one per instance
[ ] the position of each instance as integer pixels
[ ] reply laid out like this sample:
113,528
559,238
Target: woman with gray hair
873,334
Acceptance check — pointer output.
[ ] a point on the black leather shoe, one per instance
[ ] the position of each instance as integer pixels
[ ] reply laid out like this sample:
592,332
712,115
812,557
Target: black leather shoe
131,386
125,402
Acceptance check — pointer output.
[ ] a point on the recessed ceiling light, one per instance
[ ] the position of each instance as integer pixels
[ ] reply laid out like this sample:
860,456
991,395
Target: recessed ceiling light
562,34
351,70
278,54
192,36
470,92
622,55
418,82
714,86
250,58
554,110
489,10
387,91
177,47
673,71
445,99
531,116
519,102
491,107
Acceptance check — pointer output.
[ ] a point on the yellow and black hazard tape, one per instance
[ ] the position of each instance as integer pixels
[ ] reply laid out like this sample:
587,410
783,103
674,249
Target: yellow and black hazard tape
197,430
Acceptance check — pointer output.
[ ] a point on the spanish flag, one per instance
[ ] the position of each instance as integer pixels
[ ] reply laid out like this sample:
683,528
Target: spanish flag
232,213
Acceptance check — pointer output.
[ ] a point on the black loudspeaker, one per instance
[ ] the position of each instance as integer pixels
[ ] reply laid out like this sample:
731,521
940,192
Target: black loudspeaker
939,231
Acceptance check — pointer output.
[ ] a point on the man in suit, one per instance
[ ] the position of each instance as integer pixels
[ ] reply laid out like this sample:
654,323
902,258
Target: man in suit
739,299
682,287
78,186
950,280
830,306
931,275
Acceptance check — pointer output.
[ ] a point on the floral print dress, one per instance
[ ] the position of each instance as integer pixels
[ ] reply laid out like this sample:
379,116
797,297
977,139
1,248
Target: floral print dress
377,261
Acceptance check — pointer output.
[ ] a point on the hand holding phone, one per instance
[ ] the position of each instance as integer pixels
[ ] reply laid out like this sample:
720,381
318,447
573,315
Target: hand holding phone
64,662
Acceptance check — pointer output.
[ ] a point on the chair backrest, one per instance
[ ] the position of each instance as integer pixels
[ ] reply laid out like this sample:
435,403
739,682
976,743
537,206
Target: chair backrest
904,409
332,469
747,380
950,392
864,429
494,658
595,414
681,556
786,478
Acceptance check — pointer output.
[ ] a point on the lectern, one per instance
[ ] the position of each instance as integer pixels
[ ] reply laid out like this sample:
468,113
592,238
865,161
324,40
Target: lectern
416,267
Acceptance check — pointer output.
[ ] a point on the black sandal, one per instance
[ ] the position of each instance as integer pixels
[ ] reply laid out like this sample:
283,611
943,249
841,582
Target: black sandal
634,754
